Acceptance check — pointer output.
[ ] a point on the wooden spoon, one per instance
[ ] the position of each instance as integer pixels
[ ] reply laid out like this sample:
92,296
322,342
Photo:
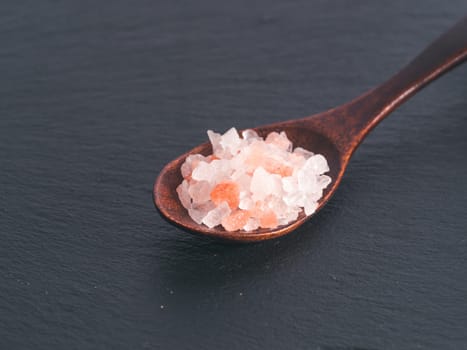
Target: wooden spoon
335,133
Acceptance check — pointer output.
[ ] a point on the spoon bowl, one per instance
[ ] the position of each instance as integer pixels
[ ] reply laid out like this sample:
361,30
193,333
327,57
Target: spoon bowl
335,133
166,197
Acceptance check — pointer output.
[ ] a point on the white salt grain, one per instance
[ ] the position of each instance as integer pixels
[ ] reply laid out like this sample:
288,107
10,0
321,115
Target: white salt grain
183,194
200,192
202,172
263,184
303,152
251,224
215,216
197,215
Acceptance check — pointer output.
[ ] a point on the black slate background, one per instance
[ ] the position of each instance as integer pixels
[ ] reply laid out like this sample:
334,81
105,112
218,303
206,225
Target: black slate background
96,96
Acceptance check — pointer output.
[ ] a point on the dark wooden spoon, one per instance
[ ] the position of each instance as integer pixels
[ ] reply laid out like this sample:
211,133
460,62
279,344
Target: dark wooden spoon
335,133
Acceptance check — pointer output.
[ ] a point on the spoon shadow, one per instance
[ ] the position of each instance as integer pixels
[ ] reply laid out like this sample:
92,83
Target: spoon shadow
194,265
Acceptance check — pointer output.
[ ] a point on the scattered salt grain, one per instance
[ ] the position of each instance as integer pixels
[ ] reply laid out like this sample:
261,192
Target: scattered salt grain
250,182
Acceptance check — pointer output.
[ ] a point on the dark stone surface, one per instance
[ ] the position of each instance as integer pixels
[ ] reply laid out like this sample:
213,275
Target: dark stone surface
96,96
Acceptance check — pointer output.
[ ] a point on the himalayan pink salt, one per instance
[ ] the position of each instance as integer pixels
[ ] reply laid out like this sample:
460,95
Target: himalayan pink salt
236,220
226,192
280,140
215,216
250,182
268,219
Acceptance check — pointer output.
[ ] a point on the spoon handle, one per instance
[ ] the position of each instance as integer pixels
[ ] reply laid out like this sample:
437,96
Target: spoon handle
358,117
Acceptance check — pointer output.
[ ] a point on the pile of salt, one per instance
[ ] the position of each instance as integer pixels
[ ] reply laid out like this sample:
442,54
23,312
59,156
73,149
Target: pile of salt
248,182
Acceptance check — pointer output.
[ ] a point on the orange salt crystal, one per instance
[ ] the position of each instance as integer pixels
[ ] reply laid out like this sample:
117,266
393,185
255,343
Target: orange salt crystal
285,171
211,158
268,220
236,220
226,192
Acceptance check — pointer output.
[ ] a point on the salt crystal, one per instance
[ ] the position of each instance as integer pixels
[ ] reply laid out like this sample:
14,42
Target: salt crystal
250,135
190,163
230,141
291,215
318,163
199,211
197,215
183,194
307,183
303,152
244,181
202,172
186,169
279,140
310,207
246,203
215,140
263,183
228,192
290,184
251,224
215,216
220,170
200,191
236,220
268,219
324,181
295,199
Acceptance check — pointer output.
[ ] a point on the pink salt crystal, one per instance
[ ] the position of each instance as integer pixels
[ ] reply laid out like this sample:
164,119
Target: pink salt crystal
257,210
246,203
277,205
295,199
226,192
190,163
324,180
296,161
275,166
230,141
250,135
244,182
251,224
268,220
279,140
220,170
215,216
307,183
310,207
202,172
289,184
268,158
255,155
186,169
236,220
318,163
263,183
302,152
197,215
315,196
290,215
199,211
183,195
199,192
215,140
